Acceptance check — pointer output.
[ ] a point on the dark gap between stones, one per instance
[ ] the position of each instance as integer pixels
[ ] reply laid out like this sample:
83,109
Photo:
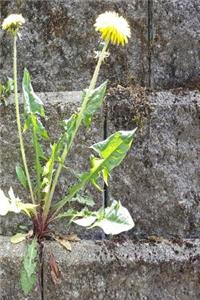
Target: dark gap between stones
150,40
41,270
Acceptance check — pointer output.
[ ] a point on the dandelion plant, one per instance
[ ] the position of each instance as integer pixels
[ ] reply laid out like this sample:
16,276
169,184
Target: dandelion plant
43,206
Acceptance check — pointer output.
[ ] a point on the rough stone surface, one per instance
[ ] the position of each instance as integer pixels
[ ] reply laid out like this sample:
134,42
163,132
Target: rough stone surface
58,43
10,264
175,45
159,180
59,106
111,270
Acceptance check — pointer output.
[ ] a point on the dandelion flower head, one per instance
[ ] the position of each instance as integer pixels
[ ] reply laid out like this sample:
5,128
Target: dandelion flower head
13,22
113,28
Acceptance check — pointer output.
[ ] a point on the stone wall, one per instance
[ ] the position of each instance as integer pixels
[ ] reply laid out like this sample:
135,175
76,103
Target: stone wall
108,270
159,179
58,43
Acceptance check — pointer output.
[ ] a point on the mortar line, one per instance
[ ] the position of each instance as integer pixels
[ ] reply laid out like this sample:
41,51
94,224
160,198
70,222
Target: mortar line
150,40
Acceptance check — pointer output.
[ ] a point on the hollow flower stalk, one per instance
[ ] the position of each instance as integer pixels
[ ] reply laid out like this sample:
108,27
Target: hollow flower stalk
13,24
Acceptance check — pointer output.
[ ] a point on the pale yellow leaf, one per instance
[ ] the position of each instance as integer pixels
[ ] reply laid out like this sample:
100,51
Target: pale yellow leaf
66,244
71,237
18,238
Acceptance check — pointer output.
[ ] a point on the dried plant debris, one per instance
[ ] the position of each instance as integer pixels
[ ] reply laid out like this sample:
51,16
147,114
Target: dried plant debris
54,270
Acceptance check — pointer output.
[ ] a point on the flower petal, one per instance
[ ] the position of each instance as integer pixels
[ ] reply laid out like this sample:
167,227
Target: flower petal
113,28
4,204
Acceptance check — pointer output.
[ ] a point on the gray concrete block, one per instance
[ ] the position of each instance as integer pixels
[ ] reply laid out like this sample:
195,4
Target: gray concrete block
10,261
159,180
58,106
58,43
175,45
111,270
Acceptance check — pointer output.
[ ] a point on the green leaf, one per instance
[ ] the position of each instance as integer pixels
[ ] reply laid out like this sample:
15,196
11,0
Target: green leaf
32,102
48,169
38,127
49,165
83,200
9,86
94,102
29,262
69,126
32,121
28,271
18,238
114,148
69,213
21,176
72,213
111,152
27,283
86,221
114,220
6,89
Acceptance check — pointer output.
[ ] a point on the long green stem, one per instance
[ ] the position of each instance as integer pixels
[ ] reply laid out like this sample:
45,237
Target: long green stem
78,122
18,118
37,161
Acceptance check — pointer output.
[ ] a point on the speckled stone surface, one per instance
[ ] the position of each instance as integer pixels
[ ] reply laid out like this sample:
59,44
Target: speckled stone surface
10,265
125,271
175,43
58,43
159,179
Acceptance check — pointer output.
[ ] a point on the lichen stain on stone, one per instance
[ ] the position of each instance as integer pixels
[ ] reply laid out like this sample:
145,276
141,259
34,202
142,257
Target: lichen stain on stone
130,113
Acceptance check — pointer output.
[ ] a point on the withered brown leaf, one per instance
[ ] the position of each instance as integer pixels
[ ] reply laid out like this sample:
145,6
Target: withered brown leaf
55,272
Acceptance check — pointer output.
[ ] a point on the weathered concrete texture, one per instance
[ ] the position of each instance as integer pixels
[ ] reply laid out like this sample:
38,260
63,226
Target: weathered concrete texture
59,106
159,180
58,43
175,46
109,270
10,265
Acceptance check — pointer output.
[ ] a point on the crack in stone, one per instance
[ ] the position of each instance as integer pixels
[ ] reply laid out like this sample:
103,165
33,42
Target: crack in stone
150,40
41,270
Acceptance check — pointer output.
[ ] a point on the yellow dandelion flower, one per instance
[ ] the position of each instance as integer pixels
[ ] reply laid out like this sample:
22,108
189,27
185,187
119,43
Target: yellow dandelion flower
113,28
13,22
